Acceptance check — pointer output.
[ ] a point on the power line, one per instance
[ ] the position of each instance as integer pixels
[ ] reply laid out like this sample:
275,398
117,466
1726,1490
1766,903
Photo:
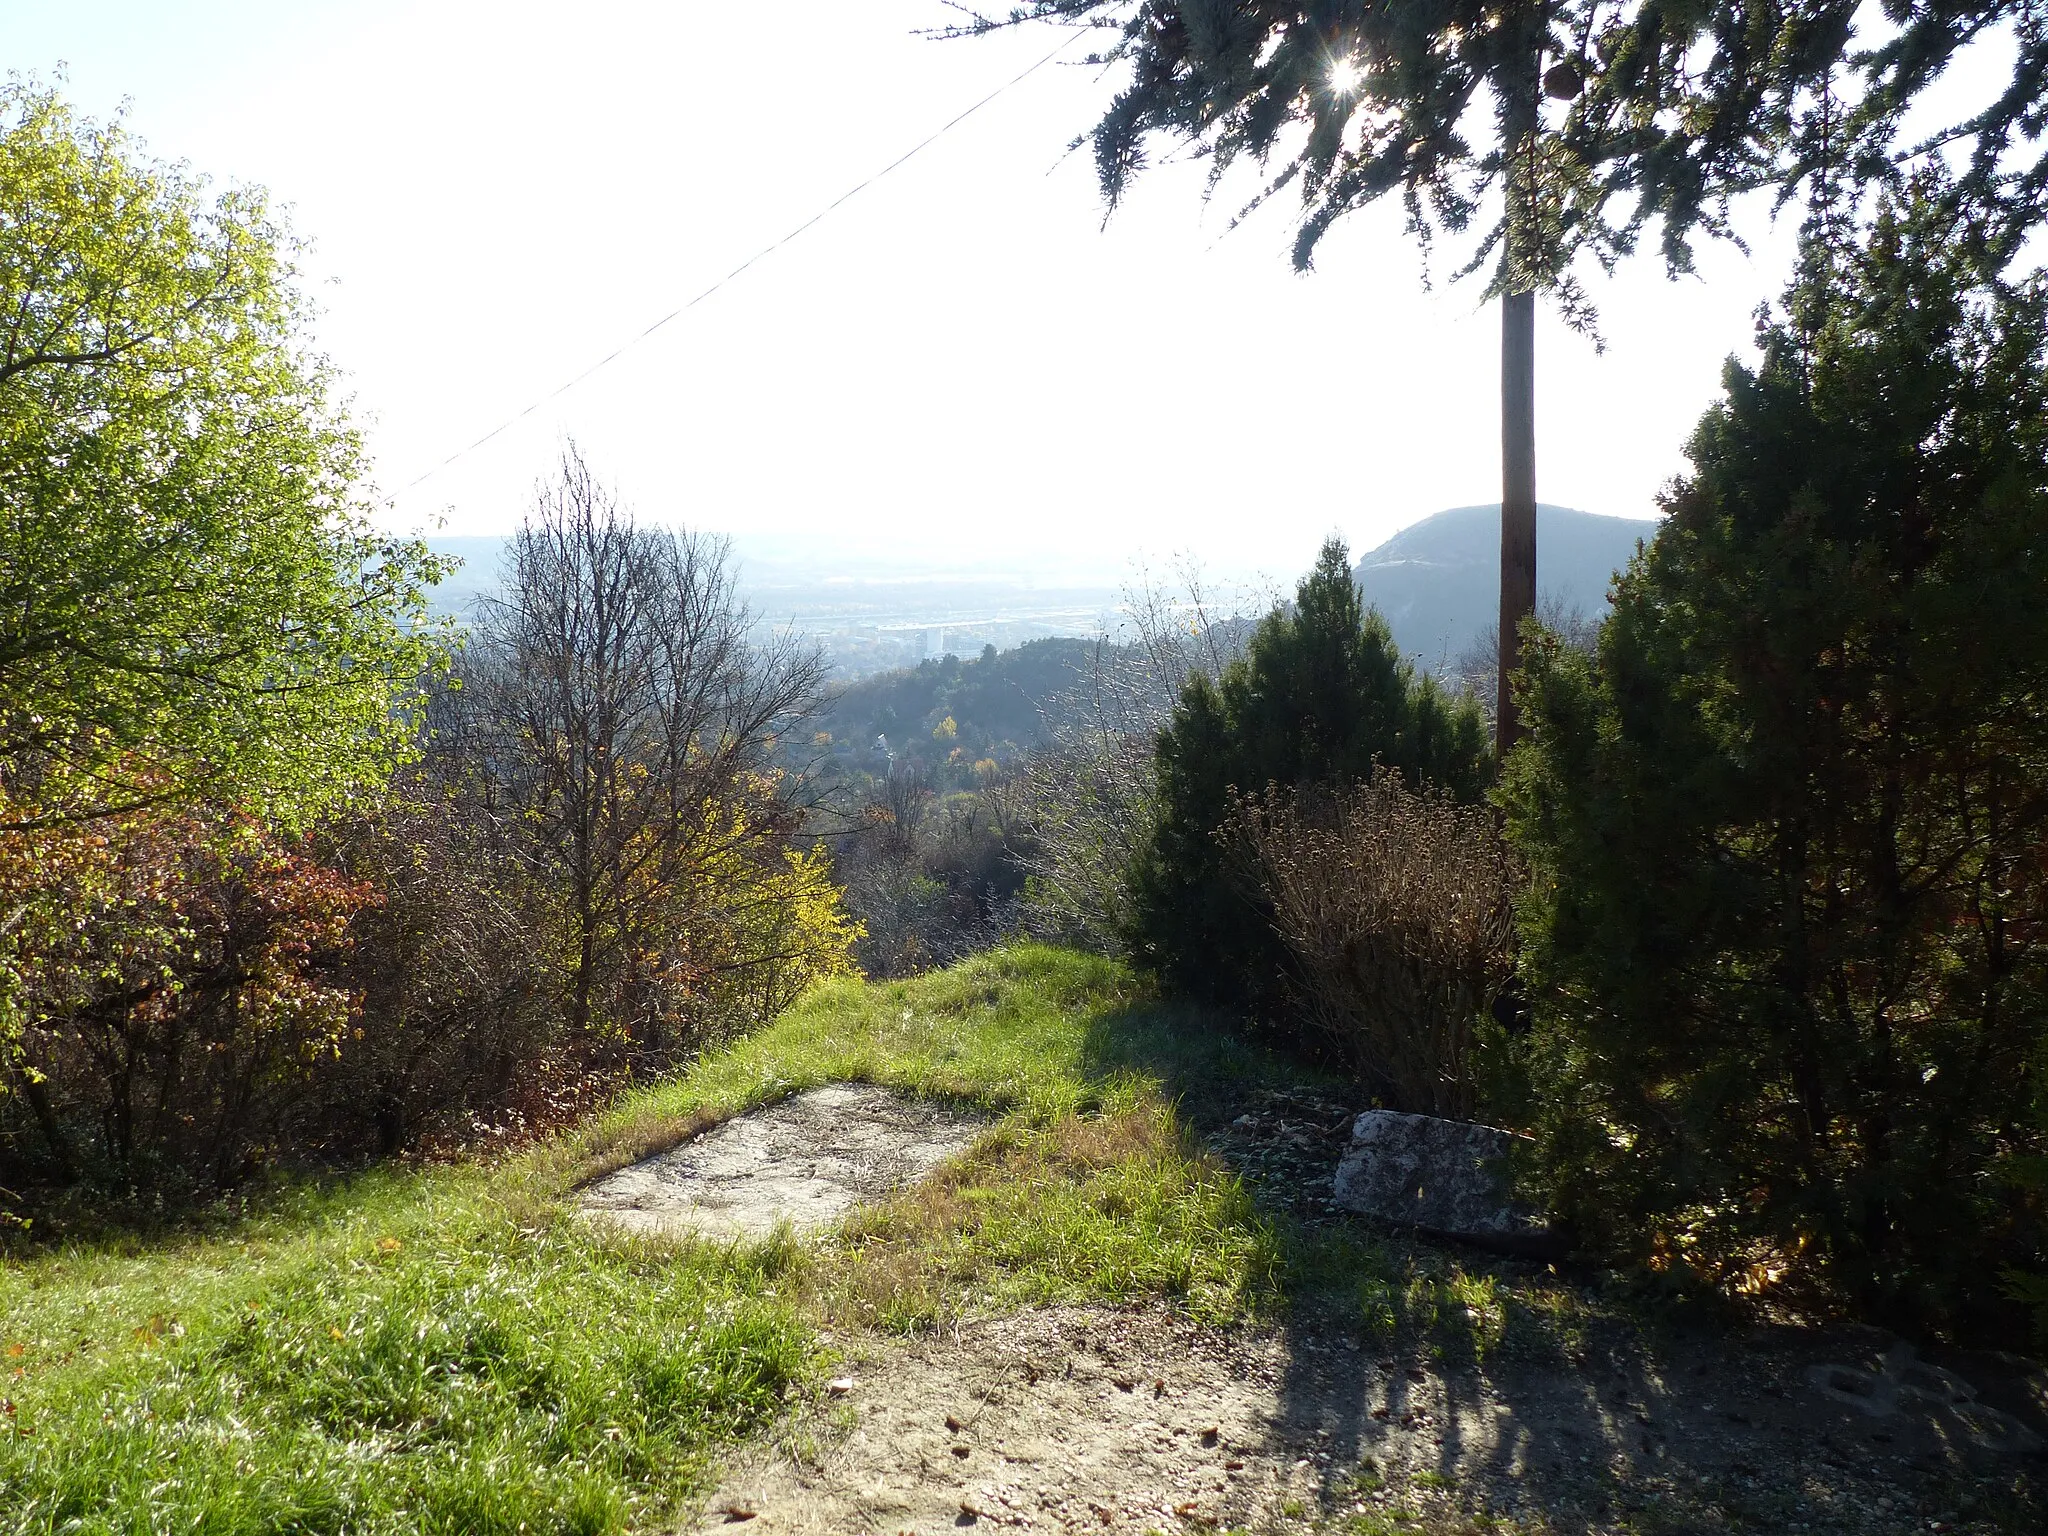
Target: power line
765,251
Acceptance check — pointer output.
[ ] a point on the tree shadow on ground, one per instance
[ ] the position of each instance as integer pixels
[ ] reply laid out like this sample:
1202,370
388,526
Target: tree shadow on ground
1439,1388
1576,1417
1209,1062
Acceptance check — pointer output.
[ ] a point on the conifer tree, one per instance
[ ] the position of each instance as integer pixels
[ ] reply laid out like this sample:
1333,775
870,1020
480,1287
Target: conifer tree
1787,928
1321,695
1599,121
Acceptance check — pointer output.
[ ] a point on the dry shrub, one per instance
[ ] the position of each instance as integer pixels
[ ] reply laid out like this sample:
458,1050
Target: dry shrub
176,981
460,967
1396,908
931,877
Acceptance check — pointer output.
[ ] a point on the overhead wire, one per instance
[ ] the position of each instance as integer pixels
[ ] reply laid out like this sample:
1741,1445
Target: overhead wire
766,251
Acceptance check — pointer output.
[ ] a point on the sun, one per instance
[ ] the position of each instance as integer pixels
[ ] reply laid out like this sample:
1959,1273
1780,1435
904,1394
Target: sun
1346,76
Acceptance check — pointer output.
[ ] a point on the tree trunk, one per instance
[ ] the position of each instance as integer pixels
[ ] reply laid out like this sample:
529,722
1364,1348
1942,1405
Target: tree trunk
1517,498
586,974
46,1116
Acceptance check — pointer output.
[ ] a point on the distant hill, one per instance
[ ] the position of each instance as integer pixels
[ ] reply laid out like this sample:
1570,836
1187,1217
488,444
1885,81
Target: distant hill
1438,582
482,560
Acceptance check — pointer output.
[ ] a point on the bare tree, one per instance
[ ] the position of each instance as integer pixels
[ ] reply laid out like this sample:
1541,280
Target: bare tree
1476,669
1088,802
631,720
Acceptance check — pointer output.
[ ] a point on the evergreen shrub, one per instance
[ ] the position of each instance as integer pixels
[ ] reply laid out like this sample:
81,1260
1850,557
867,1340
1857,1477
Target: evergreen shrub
1787,927
1321,696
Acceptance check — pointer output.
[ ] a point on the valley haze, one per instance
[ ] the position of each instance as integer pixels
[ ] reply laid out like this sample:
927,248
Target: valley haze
1437,582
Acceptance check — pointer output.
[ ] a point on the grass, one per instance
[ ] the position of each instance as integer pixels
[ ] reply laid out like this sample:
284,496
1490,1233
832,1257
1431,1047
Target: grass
1031,1029
447,1351
402,1354
1110,1205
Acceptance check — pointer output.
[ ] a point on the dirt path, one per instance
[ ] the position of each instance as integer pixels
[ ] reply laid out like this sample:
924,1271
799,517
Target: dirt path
1572,1419
1087,1420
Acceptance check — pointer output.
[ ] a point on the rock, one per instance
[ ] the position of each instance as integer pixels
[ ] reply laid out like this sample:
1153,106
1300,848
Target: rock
805,1161
1446,1177
1902,1384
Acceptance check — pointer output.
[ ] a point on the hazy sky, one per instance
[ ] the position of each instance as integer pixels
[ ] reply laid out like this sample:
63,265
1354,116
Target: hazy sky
962,363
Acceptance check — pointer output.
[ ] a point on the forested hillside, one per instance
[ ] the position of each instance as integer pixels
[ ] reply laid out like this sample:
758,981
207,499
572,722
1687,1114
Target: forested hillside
950,712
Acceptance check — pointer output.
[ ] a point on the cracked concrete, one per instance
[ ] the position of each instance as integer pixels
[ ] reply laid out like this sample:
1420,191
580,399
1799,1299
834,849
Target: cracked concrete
805,1161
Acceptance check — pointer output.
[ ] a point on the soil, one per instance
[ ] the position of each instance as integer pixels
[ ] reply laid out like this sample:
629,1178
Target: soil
1287,1144
1093,1420
805,1161
1100,1420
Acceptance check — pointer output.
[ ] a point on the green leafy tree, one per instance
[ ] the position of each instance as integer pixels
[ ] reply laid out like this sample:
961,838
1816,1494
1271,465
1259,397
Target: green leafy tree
1787,935
1320,696
1545,131
192,602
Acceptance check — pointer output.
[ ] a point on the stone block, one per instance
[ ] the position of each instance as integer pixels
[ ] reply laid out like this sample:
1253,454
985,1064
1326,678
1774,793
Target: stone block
1445,1177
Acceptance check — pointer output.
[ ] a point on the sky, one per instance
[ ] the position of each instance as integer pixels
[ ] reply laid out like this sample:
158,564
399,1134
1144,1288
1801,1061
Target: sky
963,365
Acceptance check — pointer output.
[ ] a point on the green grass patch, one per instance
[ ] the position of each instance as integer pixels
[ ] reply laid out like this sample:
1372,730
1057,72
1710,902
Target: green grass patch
1407,1296
1110,1205
1026,1028
447,1351
401,1355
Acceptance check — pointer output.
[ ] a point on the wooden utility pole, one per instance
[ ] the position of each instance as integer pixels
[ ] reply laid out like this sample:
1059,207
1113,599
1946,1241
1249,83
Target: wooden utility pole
1517,498
1518,385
